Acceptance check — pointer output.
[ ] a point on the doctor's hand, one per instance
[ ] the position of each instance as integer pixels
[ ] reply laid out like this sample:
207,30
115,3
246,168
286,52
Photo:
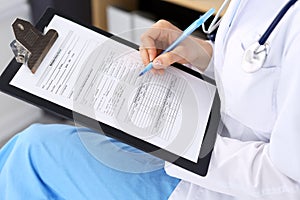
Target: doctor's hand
192,50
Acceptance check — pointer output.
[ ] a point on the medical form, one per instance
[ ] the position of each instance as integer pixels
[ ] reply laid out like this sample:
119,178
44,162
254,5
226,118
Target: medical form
98,77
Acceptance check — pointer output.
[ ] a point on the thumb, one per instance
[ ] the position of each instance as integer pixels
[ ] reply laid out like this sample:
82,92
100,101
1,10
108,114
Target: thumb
165,60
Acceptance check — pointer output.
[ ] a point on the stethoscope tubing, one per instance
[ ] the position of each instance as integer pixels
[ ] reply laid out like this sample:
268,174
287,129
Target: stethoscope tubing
275,22
266,34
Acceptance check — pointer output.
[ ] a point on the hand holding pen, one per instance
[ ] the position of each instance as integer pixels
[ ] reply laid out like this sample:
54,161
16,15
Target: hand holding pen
160,33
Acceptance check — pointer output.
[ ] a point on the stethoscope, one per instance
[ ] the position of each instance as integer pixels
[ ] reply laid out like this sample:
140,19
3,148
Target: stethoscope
255,55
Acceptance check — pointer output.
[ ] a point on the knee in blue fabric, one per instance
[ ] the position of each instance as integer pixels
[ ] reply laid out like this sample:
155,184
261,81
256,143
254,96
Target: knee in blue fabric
41,133
119,156
108,151
50,161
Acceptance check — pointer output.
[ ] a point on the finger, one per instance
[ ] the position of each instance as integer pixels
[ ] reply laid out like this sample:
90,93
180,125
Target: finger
144,55
156,37
166,59
152,53
148,39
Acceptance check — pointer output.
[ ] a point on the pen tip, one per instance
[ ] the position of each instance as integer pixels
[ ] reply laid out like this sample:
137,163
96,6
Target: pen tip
141,74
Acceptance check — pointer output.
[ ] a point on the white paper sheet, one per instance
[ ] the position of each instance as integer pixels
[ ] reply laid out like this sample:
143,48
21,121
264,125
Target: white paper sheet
98,77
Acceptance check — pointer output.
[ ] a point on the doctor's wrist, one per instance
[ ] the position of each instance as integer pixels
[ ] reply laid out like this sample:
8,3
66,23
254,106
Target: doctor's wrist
204,54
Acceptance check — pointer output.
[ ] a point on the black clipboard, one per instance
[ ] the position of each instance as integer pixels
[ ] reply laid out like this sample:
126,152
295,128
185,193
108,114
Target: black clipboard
200,168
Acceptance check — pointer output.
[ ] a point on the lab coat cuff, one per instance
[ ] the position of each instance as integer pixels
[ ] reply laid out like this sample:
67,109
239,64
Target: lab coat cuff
208,72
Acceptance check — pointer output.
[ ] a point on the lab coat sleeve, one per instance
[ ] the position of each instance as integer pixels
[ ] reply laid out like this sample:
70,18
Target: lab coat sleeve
242,169
285,140
258,169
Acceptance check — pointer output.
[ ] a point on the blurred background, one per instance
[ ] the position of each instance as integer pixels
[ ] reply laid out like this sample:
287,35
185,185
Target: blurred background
125,18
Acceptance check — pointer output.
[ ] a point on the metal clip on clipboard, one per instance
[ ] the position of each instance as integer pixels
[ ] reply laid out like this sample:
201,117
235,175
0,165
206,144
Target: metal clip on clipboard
31,46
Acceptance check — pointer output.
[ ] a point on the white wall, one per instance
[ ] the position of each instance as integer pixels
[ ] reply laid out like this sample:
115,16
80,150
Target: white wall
128,25
14,114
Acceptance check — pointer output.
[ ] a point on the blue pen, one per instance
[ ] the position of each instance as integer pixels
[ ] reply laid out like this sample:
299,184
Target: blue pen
184,35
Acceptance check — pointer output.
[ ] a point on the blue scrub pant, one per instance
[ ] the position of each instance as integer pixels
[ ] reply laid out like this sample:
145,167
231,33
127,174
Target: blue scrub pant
50,162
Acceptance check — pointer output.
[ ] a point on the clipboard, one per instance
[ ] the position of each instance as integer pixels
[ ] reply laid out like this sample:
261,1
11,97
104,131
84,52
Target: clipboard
199,167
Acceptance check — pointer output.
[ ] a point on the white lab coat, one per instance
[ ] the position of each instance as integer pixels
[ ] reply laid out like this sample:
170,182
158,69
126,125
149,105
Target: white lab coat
257,154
